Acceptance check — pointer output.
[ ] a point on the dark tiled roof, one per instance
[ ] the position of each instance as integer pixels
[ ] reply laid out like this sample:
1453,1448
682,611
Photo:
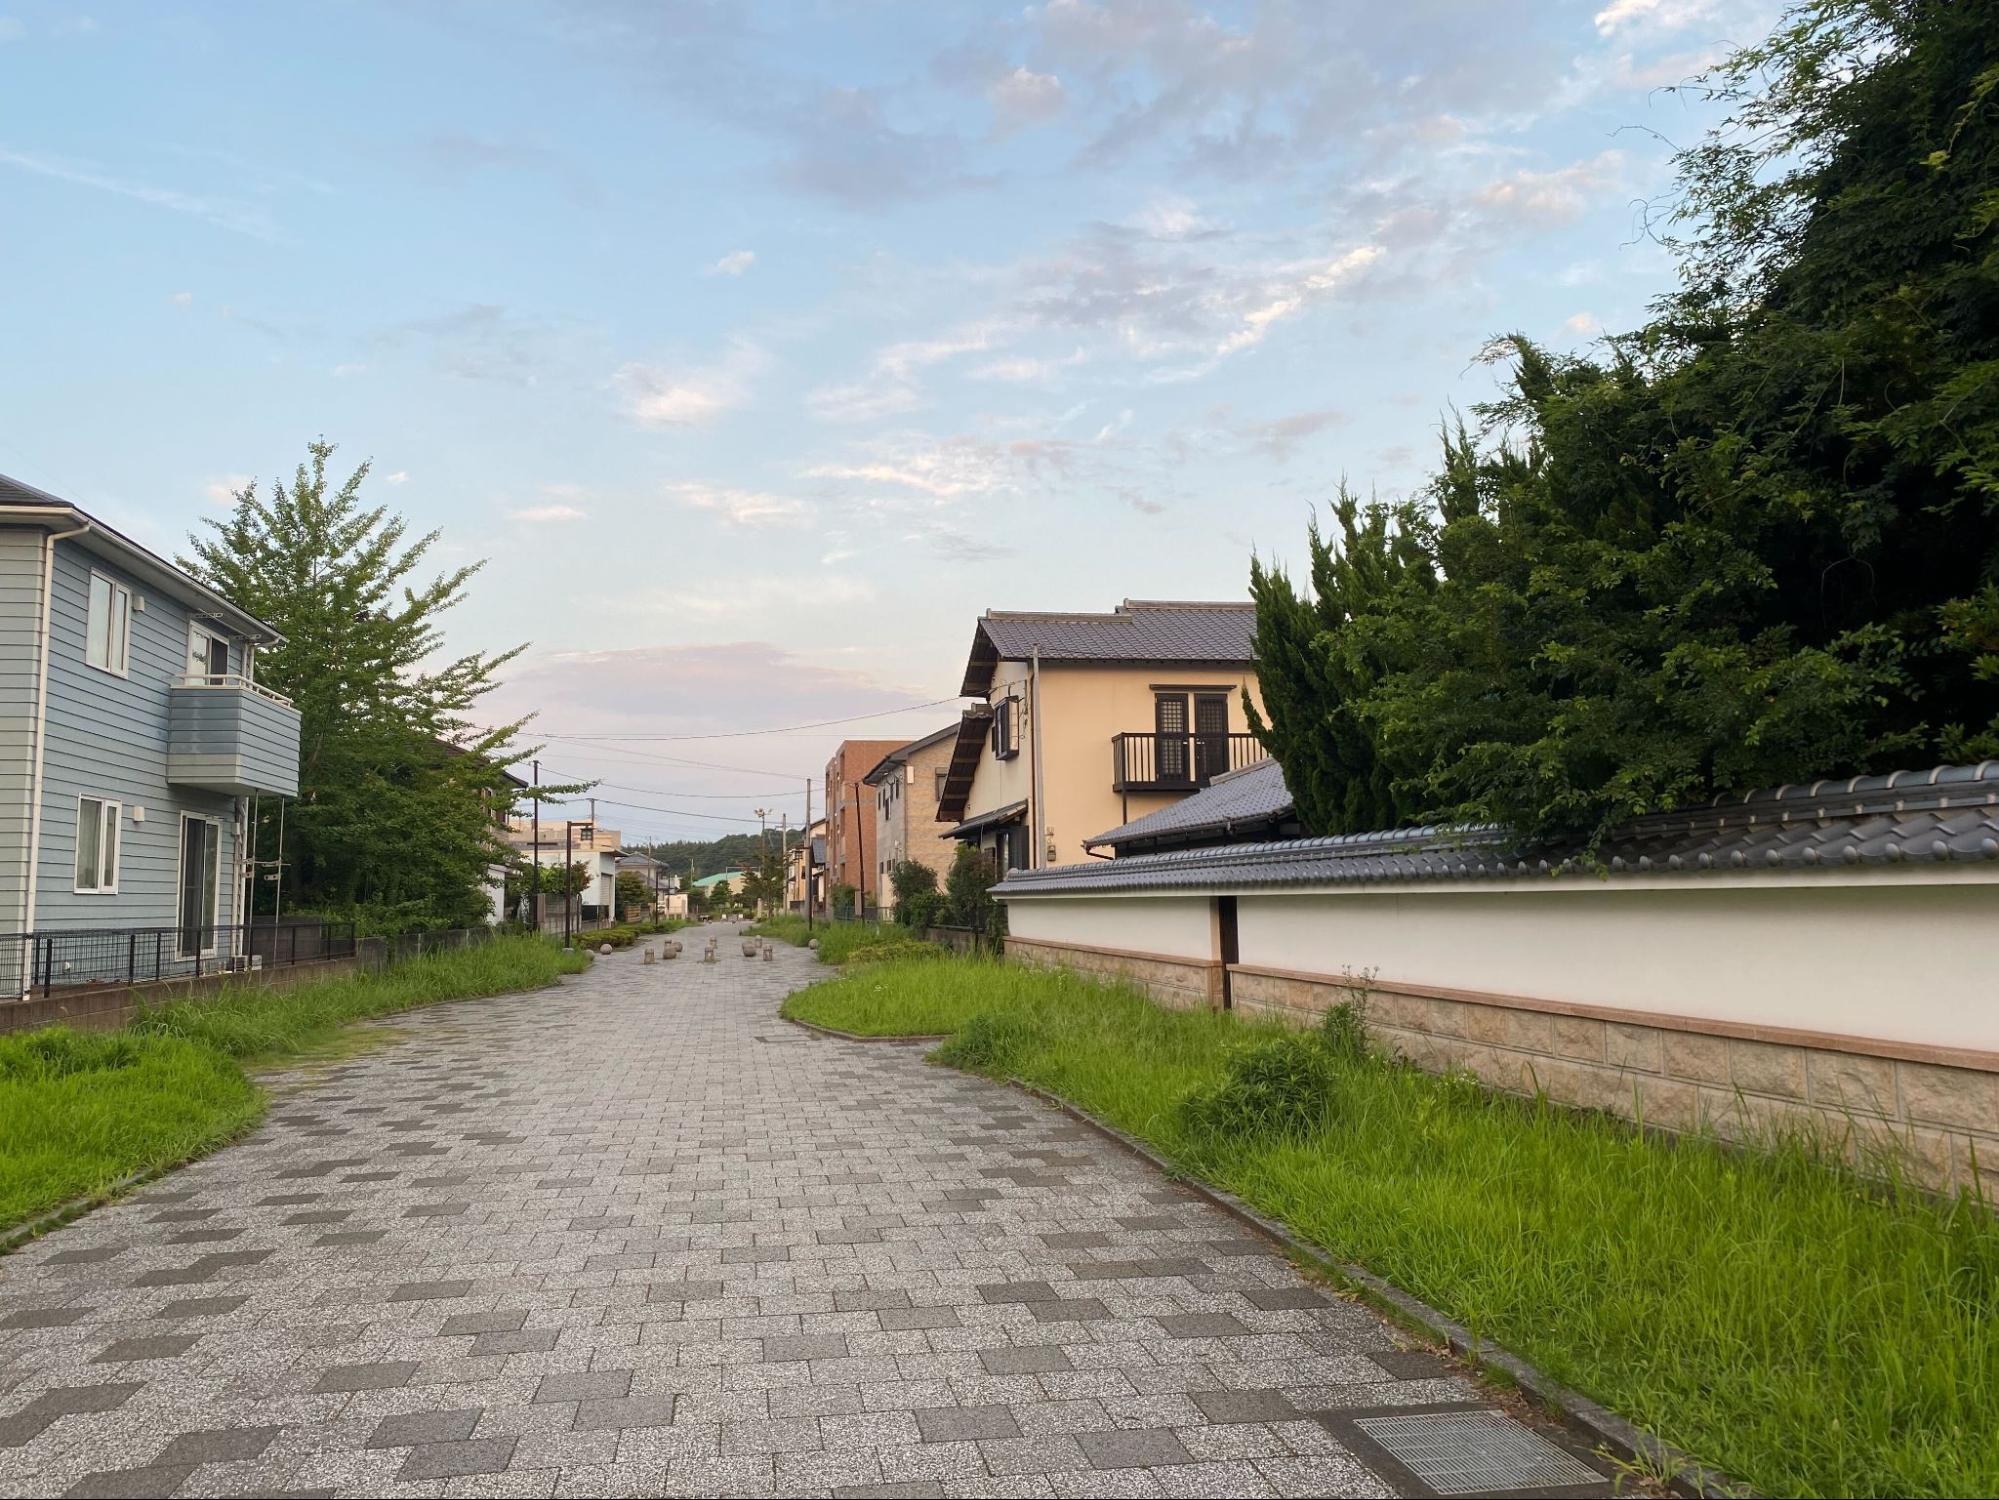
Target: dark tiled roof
901,753
1255,795
973,827
1909,818
1138,630
971,743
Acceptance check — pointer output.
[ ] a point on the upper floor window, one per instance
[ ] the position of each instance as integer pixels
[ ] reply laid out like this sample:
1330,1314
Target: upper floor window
108,645
97,845
1006,728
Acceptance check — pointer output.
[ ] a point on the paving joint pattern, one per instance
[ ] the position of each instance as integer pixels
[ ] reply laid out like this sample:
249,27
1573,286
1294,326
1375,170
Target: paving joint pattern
636,1236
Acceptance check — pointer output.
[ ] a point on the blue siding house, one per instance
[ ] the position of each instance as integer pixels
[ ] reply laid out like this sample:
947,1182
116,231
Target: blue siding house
133,738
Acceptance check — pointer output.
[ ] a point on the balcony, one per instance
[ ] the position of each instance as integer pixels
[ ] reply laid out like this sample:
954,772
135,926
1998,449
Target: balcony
1151,762
226,734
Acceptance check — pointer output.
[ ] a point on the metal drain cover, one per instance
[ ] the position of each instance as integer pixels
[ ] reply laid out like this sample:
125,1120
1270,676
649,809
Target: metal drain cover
1475,1452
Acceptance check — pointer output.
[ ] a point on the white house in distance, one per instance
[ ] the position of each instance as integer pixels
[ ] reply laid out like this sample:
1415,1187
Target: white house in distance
576,842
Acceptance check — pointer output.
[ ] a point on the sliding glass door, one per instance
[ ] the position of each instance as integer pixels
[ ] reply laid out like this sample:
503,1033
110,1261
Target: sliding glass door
200,874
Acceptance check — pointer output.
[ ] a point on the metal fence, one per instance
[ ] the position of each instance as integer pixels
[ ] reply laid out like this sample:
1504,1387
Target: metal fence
42,962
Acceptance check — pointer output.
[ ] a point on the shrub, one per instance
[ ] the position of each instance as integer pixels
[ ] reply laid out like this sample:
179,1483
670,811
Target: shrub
843,900
924,909
915,887
1281,1086
991,1042
1343,1030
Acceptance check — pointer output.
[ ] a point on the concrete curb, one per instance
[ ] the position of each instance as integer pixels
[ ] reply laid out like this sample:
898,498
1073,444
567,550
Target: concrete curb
855,1036
1601,1427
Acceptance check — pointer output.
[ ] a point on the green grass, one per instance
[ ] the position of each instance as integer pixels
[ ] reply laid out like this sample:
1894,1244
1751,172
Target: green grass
80,1111
838,941
1806,1331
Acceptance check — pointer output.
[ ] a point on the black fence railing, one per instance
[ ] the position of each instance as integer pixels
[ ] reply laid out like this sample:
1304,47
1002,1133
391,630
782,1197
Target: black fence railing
42,962
1170,762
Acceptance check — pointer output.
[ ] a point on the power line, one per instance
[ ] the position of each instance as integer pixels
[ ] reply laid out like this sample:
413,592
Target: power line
676,812
734,734
660,791
679,760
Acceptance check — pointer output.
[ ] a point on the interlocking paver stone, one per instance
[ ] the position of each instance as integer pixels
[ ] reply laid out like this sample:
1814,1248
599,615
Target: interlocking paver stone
675,1246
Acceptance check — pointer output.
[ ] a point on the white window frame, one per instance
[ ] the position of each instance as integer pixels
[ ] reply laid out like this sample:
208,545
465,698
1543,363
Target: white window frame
110,851
119,650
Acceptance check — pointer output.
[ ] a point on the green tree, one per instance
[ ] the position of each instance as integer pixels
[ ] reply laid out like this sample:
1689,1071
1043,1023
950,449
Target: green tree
398,789
916,895
1755,541
967,891
763,883
634,893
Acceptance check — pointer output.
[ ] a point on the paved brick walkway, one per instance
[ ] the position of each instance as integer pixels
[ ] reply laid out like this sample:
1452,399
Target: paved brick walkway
639,1236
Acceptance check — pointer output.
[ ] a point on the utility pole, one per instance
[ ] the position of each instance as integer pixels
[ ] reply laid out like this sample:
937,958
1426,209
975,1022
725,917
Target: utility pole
808,854
568,829
536,852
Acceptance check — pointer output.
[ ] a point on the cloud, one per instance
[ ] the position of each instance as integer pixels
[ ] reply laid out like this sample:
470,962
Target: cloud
401,476
182,299
223,491
844,147
956,546
11,29
1289,295
659,396
725,599
1658,15
889,387
548,515
1545,199
1280,438
1175,219
349,369
219,212
486,341
862,401
1028,370
1582,322
721,686
734,263
1023,99
739,507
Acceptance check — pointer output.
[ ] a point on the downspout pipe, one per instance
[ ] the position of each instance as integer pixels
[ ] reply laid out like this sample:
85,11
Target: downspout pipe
1038,855
41,723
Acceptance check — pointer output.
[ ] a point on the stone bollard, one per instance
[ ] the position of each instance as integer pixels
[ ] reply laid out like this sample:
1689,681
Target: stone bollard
604,949
749,947
813,945
649,955
767,953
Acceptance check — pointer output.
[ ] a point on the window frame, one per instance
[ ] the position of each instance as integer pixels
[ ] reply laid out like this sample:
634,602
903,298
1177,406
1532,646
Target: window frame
110,847
121,665
198,631
1006,728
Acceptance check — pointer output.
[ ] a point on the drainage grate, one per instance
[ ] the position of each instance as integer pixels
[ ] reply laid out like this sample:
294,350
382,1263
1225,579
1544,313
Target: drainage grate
1475,1452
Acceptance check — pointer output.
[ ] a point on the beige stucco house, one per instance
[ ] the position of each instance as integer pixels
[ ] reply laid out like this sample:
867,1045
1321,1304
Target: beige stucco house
1087,721
907,783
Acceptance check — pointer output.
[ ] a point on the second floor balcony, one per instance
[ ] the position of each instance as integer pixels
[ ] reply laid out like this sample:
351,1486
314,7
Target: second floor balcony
1149,761
227,734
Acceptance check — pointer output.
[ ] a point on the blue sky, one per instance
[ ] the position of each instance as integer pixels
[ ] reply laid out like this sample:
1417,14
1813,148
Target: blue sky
759,348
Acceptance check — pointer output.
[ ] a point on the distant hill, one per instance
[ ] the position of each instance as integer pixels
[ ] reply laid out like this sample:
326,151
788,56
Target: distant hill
710,858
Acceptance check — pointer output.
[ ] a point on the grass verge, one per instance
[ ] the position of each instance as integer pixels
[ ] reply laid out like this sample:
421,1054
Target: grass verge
82,1111
1808,1332
841,942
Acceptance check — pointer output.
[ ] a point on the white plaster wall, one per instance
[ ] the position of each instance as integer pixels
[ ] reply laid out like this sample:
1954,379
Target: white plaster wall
1918,963
1171,926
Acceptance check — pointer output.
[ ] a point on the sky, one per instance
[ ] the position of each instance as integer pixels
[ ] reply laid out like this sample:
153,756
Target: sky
757,349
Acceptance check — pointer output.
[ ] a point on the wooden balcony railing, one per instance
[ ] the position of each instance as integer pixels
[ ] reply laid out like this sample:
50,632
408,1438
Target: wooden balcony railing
1152,762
